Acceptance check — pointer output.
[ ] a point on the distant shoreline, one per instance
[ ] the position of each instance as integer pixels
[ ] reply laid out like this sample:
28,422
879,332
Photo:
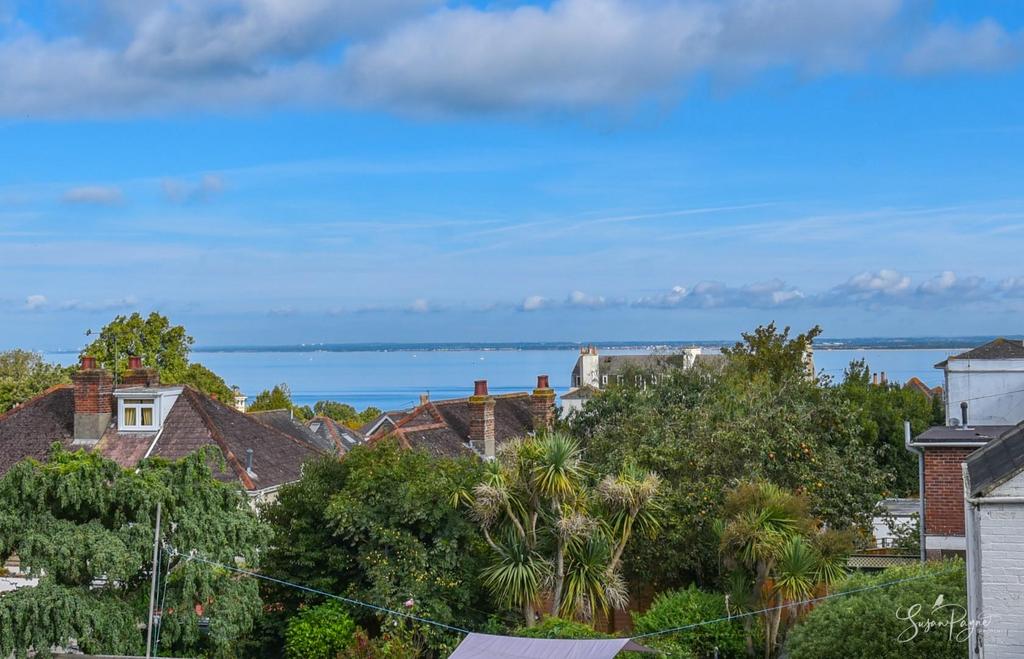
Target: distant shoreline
882,343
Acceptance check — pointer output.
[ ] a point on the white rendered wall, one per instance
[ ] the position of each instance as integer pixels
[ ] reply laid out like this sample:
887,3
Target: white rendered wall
993,389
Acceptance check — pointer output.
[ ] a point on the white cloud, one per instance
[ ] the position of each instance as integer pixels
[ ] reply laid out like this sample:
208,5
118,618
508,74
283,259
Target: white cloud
127,302
713,294
98,195
985,46
180,190
535,303
872,285
581,299
123,57
33,302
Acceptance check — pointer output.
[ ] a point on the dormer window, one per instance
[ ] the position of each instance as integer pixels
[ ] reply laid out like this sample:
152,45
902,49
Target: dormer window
137,414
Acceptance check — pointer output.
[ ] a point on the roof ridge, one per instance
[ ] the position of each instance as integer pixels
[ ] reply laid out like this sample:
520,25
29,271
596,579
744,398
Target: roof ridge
35,399
249,416
192,395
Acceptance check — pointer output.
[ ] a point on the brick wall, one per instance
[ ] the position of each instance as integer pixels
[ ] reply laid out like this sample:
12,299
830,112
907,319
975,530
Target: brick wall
481,424
542,408
93,392
944,490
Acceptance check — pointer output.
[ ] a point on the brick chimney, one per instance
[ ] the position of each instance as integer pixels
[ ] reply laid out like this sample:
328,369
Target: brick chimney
481,420
140,376
94,401
542,405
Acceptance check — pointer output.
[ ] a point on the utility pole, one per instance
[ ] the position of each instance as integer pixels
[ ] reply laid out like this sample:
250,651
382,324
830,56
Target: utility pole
152,585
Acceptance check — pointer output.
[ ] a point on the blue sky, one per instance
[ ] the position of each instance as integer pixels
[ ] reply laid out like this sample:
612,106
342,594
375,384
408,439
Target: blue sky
270,171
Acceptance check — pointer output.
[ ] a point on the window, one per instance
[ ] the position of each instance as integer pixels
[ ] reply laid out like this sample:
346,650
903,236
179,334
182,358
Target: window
314,427
577,380
604,380
138,413
654,379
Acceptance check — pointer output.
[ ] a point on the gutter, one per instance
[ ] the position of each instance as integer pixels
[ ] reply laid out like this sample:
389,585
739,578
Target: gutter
942,444
977,501
914,448
975,646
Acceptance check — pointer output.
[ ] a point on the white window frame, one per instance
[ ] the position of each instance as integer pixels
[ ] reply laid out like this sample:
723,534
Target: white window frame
604,380
151,402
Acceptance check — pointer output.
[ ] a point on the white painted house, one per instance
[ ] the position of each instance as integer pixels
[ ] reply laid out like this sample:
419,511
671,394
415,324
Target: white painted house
990,379
594,373
994,519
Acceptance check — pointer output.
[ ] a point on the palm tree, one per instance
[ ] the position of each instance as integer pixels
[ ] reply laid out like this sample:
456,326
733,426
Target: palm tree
551,534
772,545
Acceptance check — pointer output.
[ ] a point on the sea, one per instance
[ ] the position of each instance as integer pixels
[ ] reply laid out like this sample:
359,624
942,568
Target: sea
392,376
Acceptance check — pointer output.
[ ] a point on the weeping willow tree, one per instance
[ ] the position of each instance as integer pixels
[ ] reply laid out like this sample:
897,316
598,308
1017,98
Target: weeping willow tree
554,535
84,527
776,557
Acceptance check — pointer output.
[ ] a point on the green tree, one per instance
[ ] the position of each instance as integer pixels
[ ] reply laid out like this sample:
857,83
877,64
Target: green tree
710,426
768,351
690,606
345,413
319,632
881,410
280,398
160,344
198,376
24,374
908,619
555,627
84,526
376,527
544,524
776,555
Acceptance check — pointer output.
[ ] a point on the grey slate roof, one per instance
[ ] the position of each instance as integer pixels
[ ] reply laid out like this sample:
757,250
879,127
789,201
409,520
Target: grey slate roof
340,437
939,435
997,462
997,349
283,421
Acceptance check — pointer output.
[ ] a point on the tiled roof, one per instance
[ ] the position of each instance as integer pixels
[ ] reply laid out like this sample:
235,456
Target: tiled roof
997,462
27,431
283,421
998,349
586,392
194,421
917,384
386,422
442,427
338,436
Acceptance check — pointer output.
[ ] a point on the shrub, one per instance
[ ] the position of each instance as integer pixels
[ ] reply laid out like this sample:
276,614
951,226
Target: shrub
320,632
552,627
685,607
874,623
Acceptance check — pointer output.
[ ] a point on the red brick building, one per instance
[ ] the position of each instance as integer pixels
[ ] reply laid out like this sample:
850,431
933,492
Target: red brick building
140,418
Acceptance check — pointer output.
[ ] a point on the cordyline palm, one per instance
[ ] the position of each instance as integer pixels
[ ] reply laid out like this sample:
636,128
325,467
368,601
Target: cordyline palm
539,518
771,543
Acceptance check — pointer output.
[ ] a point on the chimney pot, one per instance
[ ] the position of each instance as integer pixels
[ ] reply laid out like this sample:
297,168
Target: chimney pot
88,363
134,361
480,388
542,382
963,413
